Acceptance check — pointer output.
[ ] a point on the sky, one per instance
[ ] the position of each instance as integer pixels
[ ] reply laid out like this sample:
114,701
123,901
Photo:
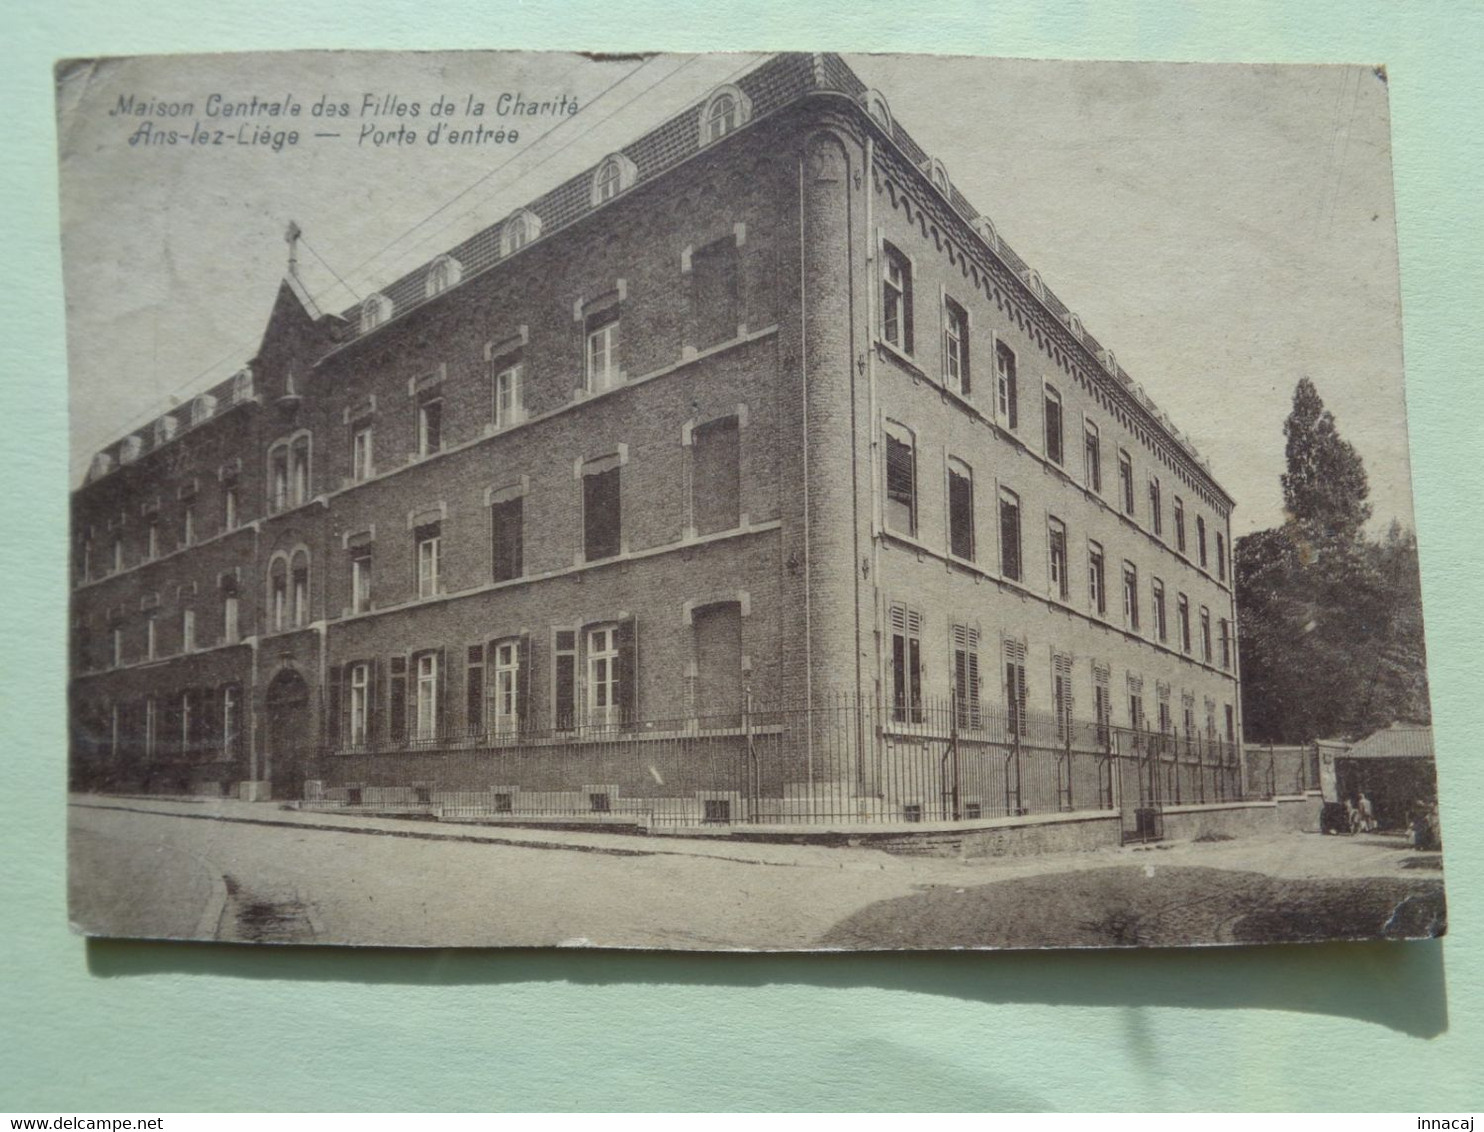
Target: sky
1226,229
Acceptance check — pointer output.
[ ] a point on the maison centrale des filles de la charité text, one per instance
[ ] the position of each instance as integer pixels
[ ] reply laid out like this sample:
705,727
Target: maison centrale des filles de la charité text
378,119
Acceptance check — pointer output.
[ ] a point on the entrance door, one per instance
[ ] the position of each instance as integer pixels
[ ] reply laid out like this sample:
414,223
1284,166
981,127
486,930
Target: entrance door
288,733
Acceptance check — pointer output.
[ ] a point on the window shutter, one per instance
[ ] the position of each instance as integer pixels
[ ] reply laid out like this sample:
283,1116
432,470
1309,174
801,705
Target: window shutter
474,690
1014,398
440,709
333,707
397,708
628,669
523,682
373,703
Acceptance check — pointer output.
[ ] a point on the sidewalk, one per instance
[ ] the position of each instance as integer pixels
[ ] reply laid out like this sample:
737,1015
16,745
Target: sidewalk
577,841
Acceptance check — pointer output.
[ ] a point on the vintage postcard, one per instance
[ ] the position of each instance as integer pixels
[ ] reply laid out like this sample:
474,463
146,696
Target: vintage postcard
767,501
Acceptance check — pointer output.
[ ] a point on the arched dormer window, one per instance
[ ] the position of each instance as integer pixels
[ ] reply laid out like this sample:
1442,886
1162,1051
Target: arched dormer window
938,174
1033,281
443,273
1110,362
519,230
242,386
614,175
203,408
130,449
878,109
102,465
1074,324
725,110
375,309
986,229
165,429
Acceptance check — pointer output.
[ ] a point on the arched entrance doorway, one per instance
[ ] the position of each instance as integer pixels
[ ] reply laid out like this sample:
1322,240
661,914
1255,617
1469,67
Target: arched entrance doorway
289,733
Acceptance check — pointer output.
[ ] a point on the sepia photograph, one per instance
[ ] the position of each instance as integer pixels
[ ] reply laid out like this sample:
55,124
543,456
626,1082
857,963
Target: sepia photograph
739,502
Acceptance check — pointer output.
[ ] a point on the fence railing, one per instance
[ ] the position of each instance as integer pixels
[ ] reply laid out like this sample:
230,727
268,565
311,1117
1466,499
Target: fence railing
846,761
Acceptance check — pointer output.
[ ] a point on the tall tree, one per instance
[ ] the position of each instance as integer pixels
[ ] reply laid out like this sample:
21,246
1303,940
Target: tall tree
1325,488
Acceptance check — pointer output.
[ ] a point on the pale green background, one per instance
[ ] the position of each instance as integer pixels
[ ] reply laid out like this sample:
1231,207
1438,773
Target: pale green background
149,1027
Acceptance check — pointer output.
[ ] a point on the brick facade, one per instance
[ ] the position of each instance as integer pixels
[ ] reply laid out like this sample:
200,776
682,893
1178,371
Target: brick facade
705,378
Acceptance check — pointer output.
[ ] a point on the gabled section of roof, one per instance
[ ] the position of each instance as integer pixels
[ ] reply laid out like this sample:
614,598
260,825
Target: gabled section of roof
1399,741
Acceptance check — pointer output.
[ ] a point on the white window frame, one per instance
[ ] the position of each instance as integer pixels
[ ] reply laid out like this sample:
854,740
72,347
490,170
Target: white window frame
601,643
609,374
509,395
425,696
360,702
955,344
362,454
504,687
187,630
1004,379
1060,583
429,552
229,507
424,430
361,579
231,619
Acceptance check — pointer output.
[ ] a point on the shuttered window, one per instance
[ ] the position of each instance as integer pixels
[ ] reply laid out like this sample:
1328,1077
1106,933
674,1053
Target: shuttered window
1010,559
966,689
1015,688
1054,451
901,481
507,537
906,664
960,510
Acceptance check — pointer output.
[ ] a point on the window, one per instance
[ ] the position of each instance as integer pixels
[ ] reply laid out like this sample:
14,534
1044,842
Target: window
1010,561
960,510
1056,533
1182,611
151,726
1161,626
1166,721
901,480
509,396
1007,393
602,351
430,426
231,719
507,539
1156,507
231,614
152,539
1097,591
429,540
1231,724
1179,524
301,589
444,273
1136,704
188,630
397,700
1126,481
118,553
719,690
716,476
362,466
118,646
360,579
1053,417
564,679
602,514
360,704
602,676
1015,689
299,457
151,638
1131,596
1220,556
956,347
724,111
906,664
1200,539
229,507
427,676
1092,457
1225,628
278,477
896,299
375,310
505,707
966,691
1102,705
1061,694
715,302
188,525
518,231
608,182
1205,634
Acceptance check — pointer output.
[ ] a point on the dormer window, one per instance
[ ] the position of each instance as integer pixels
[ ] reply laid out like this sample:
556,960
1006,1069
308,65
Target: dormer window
203,408
876,106
615,175
165,429
725,110
102,465
519,230
375,310
130,449
986,229
443,273
1074,324
241,386
1033,281
938,174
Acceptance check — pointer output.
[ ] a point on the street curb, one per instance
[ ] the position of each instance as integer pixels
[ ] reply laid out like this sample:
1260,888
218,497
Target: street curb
209,926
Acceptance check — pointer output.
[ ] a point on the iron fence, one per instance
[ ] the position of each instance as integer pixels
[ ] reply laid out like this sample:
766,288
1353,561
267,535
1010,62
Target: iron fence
843,762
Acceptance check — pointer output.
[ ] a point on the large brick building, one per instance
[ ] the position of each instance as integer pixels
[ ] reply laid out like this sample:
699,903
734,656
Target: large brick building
704,477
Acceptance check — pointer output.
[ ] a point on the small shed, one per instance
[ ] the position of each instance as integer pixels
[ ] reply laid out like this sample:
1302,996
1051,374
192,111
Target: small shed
1393,767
